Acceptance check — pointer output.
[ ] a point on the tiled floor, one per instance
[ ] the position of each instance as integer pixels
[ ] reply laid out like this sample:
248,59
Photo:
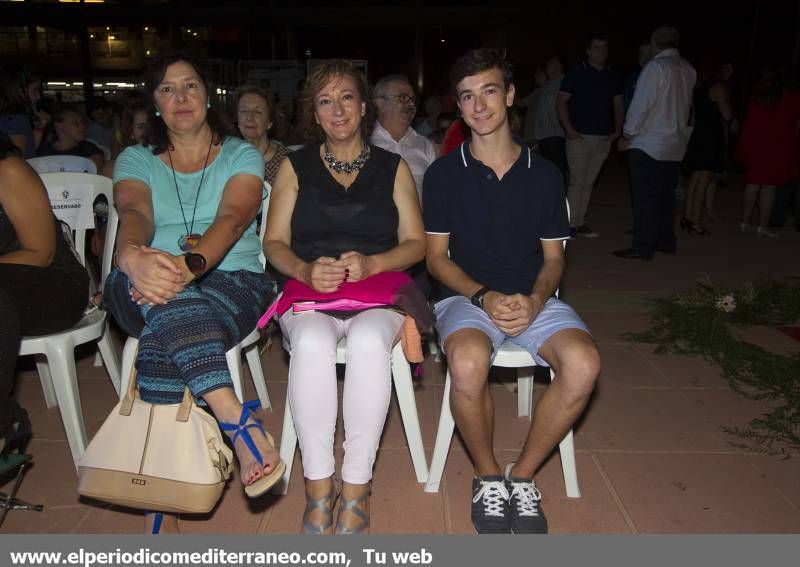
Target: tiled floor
652,456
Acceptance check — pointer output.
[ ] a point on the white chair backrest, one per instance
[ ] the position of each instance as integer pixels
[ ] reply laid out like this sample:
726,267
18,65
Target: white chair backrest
55,164
72,196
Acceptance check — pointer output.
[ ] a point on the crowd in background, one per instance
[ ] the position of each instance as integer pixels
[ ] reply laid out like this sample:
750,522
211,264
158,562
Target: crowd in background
100,128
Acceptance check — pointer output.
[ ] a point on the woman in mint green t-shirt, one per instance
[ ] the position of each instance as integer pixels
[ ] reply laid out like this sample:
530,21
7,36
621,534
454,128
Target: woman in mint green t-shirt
188,281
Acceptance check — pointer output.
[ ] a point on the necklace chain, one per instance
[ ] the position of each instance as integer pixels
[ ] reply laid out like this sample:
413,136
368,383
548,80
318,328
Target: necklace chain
348,167
189,228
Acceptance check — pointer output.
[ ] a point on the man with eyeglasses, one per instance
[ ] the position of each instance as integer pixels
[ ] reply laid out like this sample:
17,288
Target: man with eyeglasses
396,104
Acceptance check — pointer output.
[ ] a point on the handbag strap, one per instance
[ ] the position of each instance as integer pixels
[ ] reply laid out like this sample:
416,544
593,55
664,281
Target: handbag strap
126,406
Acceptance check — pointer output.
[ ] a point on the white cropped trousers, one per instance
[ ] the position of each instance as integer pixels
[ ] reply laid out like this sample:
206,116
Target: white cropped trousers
313,393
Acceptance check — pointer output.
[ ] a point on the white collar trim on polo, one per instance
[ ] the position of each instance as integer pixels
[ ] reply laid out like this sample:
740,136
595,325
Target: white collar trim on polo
464,157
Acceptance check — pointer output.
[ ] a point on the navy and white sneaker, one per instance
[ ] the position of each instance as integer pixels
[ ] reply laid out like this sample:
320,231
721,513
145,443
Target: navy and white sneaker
490,505
525,509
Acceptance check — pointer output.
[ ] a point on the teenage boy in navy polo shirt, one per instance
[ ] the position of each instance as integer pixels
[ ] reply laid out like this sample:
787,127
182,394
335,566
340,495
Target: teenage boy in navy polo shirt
591,110
496,220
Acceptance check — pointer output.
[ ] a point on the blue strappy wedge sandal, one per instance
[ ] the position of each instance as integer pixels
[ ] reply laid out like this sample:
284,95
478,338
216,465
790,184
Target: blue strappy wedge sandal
268,480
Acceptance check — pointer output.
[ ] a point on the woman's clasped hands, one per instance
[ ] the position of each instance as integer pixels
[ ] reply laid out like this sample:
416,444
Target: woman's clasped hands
326,274
155,276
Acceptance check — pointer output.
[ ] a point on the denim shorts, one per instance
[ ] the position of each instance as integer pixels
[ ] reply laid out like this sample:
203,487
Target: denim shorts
455,313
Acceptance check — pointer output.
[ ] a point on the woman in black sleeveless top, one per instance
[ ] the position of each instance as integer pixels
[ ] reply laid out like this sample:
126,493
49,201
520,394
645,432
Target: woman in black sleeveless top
341,209
43,287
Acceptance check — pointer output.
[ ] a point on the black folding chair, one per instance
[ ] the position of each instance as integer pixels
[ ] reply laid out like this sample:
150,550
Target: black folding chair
15,431
9,463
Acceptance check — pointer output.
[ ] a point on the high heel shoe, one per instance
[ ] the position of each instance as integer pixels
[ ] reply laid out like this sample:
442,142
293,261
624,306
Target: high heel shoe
158,517
263,483
686,224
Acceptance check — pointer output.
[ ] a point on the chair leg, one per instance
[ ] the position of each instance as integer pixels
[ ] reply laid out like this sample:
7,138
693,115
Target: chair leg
287,448
444,436
566,450
253,358
109,356
46,380
61,357
524,394
11,495
234,357
433,348
404,388
128,362
10,501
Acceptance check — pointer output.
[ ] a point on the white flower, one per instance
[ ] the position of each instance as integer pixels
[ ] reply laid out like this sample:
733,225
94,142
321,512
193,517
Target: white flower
726,303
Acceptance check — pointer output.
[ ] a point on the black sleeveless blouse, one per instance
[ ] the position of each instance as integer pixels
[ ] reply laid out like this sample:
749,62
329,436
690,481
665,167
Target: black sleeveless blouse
329,219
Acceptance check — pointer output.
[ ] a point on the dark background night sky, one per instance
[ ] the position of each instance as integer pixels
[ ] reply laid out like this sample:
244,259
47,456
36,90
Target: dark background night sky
391,35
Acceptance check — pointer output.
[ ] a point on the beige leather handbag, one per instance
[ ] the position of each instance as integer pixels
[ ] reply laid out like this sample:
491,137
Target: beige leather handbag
166,458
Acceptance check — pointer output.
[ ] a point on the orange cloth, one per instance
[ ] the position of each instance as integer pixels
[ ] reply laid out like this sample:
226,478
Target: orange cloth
411,340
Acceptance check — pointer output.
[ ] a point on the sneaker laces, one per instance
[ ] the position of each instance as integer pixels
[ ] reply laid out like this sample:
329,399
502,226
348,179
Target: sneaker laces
494,494
528,497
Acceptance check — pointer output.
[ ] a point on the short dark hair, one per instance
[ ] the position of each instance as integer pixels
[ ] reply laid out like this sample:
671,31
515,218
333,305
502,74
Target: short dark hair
769,86
554,56
595,36
156,134
478,61
665,37
317,80
58,116
61,111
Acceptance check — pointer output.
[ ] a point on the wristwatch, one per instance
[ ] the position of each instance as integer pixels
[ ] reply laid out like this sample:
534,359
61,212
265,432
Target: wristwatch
477,297
196,263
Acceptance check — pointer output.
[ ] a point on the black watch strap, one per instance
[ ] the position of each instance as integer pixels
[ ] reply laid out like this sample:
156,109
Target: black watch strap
477,297
196,263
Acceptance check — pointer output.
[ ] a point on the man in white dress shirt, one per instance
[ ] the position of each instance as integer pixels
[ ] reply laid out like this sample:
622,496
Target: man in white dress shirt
656,131
396,105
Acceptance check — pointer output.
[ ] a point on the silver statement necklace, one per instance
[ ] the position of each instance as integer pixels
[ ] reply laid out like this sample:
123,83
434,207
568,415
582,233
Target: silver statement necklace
348,167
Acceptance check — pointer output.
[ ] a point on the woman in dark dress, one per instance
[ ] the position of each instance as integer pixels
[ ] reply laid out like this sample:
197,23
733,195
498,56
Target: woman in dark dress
43,287
705,154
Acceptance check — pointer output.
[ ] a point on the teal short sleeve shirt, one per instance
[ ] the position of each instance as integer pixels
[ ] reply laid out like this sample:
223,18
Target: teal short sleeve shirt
235,158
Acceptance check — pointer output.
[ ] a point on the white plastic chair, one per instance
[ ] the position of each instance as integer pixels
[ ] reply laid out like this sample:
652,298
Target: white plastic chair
55,353
60,164
234,355
404,389
508,355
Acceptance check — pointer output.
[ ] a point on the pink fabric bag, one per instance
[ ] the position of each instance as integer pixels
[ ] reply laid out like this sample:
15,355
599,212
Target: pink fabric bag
387,289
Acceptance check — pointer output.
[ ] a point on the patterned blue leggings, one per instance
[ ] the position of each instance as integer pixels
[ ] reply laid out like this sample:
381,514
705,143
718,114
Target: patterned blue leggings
183,343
